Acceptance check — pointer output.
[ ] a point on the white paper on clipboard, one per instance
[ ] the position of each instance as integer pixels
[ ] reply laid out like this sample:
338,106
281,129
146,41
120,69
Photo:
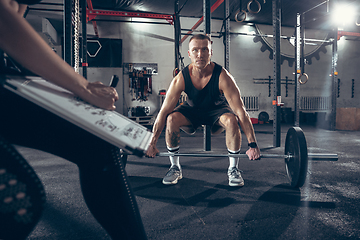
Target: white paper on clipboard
108,125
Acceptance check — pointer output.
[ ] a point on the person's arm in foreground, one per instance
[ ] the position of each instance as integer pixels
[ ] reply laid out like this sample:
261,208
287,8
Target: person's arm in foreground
232,95
20,41
172,97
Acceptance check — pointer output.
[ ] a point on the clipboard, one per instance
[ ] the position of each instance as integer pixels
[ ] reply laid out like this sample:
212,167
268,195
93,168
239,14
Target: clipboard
110,126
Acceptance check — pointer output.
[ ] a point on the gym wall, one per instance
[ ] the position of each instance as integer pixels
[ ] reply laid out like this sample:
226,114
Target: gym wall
249,60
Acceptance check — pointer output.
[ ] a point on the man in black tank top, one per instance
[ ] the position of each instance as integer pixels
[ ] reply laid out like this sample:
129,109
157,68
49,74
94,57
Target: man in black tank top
213,99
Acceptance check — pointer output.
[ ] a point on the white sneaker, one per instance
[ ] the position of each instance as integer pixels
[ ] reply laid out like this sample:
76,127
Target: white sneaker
172,176
235,179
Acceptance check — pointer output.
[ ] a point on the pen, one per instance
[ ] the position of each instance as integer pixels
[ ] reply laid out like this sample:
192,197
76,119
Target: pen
114,81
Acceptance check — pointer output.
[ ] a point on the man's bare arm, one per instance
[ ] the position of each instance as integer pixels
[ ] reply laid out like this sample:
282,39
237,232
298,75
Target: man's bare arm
172,97
232,94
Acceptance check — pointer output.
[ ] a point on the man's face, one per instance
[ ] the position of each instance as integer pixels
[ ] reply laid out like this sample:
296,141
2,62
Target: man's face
200,52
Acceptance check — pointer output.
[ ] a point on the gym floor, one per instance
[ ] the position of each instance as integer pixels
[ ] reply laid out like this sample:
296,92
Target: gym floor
203,206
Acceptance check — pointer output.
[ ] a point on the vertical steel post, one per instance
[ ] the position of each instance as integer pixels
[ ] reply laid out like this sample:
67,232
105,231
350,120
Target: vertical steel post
84,38
226,35
207,30
334,74
177,34
302,44
276,13
207,16
297,71
68,32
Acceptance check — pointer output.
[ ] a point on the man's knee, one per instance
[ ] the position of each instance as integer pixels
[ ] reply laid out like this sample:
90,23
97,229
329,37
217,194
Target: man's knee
174,119
229,121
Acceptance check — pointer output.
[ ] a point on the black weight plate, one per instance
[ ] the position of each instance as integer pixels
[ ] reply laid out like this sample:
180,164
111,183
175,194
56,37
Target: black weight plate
296,166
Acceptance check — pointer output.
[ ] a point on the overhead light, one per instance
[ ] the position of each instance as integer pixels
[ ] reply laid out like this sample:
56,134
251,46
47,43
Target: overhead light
248,29
344,14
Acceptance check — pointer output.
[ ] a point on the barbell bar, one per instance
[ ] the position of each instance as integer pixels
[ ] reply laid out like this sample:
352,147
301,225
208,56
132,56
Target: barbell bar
296,156
311,156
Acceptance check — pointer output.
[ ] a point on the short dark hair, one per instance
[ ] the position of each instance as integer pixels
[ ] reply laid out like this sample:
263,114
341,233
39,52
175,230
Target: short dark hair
200,37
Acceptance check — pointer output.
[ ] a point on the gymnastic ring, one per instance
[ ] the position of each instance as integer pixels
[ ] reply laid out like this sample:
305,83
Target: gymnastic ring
258,4
306,78
237,13
356,22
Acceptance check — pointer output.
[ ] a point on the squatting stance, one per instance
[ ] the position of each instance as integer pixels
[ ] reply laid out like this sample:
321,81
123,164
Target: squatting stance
213,99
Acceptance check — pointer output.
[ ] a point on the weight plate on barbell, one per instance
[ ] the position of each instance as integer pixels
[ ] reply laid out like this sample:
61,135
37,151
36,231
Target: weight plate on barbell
296,166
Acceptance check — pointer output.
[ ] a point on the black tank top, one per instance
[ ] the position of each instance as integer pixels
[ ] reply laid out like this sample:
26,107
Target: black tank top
209,96
28,2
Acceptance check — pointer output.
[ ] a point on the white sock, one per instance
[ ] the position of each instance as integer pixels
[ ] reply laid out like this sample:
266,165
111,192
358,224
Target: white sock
233,161
174,160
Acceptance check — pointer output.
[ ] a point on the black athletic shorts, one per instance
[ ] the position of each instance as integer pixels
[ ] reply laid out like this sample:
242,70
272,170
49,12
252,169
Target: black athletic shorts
202,116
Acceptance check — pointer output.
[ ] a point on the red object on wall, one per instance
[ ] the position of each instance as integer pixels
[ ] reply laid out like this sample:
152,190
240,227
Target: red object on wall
91,14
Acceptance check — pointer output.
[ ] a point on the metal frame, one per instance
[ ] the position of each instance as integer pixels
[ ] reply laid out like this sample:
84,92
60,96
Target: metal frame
84,38
300,64
207,30
226,39
92,13
297,71
207,16
277,72
302,44
344,33
90,8
177,33
334,74
68,32
197,24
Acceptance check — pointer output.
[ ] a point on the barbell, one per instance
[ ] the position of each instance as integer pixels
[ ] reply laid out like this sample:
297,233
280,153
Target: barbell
311,156
296,156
